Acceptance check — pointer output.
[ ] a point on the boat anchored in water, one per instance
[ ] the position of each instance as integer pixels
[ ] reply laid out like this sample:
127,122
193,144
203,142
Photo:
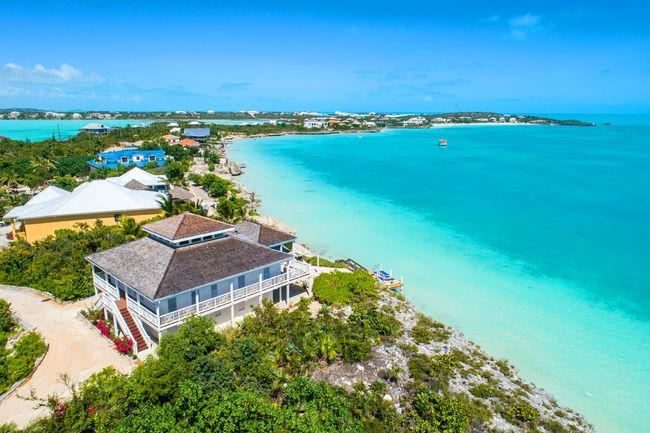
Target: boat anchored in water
442,143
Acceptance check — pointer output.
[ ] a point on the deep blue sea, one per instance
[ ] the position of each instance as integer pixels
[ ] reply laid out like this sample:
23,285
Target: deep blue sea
532,240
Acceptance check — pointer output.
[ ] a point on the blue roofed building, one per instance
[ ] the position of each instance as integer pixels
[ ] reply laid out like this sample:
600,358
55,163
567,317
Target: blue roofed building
199,134
129,156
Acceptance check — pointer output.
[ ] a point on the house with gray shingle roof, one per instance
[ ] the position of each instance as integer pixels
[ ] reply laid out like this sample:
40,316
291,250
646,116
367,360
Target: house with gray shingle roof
198,134
190,265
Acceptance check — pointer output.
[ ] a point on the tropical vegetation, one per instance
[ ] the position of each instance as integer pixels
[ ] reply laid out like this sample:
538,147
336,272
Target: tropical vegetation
19,349
56,264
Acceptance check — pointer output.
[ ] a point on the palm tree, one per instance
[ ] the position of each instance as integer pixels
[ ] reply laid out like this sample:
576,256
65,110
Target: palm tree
168,206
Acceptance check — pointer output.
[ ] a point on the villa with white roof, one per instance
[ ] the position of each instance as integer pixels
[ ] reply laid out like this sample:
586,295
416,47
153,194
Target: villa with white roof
137,178
105,200
190,265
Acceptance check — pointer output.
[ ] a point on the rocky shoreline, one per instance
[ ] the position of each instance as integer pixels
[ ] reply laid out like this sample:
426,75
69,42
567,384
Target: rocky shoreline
493,384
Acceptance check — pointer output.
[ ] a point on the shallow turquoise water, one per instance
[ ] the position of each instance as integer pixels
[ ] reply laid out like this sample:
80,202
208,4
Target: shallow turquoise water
36,130
531,240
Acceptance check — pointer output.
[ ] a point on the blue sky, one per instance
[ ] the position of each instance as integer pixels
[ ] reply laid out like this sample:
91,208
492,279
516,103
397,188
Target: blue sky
548,57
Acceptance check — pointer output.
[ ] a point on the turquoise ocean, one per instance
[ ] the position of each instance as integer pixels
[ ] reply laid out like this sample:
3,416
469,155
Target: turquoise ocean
534,241
37,130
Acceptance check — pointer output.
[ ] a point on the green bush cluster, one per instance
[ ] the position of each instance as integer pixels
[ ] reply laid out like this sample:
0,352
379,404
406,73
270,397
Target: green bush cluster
426,330
341,288
214,185
18,361
321,261
519,410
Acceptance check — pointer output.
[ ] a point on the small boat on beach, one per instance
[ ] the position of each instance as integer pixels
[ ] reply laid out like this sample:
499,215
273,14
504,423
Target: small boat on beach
442,143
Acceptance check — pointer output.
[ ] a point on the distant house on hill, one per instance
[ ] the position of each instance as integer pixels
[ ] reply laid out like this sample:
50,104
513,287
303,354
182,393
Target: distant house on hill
96,128
55,208
314,123
171,138
186,142
128,156
198,134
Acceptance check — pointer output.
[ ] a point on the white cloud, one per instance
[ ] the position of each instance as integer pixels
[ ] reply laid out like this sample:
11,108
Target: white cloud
522,25
527,20
40,74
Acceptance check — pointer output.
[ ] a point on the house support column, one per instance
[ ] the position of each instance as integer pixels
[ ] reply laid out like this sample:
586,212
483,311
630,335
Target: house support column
260,300
287,295
232,305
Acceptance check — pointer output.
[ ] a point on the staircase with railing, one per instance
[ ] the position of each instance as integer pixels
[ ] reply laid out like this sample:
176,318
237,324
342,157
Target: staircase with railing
129,326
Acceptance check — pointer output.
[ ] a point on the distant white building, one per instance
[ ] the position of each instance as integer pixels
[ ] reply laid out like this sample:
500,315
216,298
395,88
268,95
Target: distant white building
76,116
13,115
314,123
414,121
513,120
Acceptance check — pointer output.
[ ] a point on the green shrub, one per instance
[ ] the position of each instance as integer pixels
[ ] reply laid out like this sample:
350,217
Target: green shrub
321,261
426,329
56,264
521,411
436,369
7,321
484,390
19,362
340,288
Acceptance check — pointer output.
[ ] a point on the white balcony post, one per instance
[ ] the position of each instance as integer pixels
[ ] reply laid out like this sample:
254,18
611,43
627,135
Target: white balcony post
158,317
198,300
260,289
287,295
232,305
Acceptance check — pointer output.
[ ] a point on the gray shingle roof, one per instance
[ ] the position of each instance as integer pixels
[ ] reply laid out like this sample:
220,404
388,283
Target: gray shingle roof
262,234
196,132
158,270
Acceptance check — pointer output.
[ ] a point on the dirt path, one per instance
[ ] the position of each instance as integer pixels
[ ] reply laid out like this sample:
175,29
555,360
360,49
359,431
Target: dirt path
74,349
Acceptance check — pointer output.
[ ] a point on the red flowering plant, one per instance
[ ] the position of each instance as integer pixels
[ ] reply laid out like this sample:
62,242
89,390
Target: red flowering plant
104,328
59,409
123,345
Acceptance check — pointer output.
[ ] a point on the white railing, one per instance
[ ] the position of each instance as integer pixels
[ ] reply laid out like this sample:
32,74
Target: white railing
117,314
213,303
106,287
176,316
295,271
141,311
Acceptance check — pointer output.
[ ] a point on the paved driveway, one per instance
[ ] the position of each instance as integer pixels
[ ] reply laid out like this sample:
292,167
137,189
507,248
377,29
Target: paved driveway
74,349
